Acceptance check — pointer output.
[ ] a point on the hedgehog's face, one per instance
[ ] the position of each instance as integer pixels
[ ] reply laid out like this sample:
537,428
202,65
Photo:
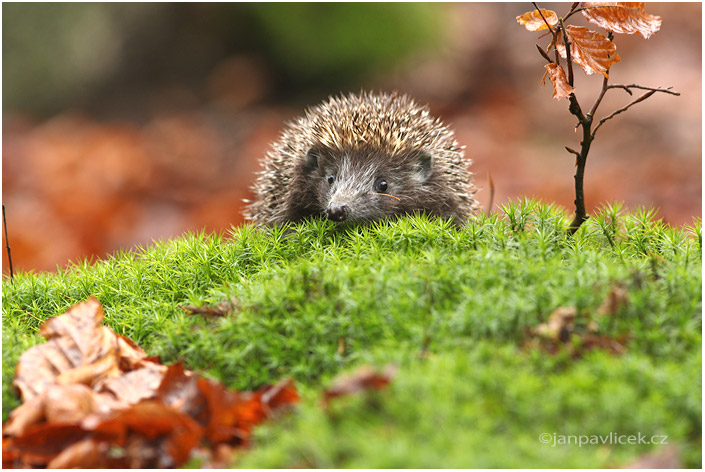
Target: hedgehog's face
362,186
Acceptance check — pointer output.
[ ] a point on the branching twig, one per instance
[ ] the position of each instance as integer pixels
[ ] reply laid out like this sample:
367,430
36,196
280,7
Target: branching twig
641,87
586,121
605,87
623,109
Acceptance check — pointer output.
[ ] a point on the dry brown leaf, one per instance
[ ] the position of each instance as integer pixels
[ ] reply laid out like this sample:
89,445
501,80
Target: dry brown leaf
561,87
79,349
278,396
219,310
622,17
152,435
42,442
590,342
133,386
590,50
534,22
559,324
60,404
84,454
105,392
616,299
364,378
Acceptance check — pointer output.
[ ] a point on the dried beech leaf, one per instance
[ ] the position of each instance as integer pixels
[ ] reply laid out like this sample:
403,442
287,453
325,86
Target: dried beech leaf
165,436
133,386
616,299
42,442
281,395
622,17
131,355
179,390
98,401
231,414
28,413
60,404
364,378
534,22
561,87
10,455
76,339
219,310
590,50
559,324
591,342
85,454
69,403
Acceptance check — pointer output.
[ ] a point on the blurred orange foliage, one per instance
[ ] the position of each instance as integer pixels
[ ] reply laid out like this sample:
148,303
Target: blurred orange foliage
79,186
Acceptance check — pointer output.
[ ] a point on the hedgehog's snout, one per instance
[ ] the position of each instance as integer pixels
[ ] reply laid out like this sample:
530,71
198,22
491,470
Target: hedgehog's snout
336,212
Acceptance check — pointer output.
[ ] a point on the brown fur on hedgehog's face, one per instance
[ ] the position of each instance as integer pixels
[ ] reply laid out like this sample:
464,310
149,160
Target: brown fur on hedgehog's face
360,185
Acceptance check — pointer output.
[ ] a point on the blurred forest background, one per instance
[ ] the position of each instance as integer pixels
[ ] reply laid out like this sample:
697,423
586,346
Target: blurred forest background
129,122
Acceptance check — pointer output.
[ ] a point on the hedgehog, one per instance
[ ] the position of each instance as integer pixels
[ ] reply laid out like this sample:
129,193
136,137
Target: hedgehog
361,158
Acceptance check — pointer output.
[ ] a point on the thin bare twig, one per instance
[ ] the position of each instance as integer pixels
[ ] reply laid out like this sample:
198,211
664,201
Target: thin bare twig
605,87
641,87
489,206
7,242
543,17
623,109
567,52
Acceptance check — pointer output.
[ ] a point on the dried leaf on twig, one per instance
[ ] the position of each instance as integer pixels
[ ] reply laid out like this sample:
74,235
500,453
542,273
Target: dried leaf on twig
622,17
533,21
592,51
561,87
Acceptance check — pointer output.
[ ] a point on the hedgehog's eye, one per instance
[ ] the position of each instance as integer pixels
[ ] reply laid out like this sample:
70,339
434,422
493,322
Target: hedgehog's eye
381,185
331,179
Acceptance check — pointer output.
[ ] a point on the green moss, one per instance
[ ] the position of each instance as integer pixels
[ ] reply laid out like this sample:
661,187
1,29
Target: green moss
388,292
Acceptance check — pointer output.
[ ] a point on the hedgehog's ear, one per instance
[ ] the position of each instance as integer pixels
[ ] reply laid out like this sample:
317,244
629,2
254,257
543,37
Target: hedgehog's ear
311,159
424,166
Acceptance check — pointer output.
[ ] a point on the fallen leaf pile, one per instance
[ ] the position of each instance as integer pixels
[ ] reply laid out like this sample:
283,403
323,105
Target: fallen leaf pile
92,398
561,331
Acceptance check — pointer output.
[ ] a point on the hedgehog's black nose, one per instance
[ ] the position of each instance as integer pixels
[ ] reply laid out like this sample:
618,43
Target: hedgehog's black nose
337,212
